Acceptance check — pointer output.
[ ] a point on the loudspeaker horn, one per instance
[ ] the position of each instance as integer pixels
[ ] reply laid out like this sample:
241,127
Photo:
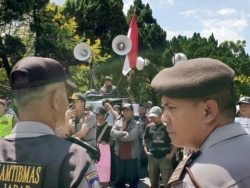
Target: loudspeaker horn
179,57
141,63
82,51
121,45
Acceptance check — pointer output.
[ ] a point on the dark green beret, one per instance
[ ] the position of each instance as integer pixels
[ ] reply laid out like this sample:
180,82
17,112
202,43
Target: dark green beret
193,78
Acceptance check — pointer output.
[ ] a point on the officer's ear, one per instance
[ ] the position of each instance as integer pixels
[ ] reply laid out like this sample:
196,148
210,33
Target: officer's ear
211,109
57,97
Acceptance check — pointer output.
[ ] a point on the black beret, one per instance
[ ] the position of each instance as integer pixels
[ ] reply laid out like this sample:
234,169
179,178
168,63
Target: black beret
193,78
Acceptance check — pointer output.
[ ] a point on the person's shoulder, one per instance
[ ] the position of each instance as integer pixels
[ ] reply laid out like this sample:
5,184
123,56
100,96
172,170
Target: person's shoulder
109,125
134,121
72,146
80,148
8,114
91,116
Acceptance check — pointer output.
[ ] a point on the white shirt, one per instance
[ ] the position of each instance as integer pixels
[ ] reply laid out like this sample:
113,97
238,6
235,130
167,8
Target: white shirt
244,122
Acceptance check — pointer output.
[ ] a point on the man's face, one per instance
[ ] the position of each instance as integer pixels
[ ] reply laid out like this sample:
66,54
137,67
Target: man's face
127,114
149,105
100,117
78,107
2,109
156,120
108,82
245,110
141,110
184,120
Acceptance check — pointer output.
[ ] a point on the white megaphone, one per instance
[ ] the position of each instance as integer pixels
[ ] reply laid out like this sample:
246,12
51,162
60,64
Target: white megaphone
179,57
121,45
82,51
140,63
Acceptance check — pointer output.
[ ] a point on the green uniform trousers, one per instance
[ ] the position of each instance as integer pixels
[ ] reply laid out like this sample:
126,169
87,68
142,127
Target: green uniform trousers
157,167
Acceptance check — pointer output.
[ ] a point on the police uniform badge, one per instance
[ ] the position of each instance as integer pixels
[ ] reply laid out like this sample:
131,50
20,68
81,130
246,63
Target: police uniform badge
93,179
20,175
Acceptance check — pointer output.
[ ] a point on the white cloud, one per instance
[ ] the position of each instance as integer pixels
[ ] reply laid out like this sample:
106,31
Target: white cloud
222,34
169,2
171,34
188,13
126,5
225,23
227,12
236,24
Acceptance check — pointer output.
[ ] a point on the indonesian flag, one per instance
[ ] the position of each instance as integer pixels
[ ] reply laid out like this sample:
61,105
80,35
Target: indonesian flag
130,59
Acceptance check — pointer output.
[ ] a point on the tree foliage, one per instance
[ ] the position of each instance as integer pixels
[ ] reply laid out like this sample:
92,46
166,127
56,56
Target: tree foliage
101,19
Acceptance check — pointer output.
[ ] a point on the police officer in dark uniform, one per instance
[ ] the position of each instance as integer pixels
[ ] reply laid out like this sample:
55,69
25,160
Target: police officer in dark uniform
33,156
199,110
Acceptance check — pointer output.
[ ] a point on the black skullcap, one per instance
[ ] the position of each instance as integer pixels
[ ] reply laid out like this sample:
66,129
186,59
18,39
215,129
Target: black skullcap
193,78
37,71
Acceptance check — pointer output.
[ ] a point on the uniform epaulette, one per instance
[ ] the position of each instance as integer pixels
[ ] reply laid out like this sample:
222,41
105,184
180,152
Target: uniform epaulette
93,152
178,173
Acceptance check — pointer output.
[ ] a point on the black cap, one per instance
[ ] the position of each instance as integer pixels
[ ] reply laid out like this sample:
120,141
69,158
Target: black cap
78,96
193,78
32,72
244,99
127,106
100,110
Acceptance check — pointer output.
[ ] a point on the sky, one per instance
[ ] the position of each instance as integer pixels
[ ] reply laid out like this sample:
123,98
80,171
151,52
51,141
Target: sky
226,19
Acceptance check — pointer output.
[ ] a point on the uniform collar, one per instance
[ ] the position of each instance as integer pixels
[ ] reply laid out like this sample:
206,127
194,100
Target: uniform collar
24,129
223,133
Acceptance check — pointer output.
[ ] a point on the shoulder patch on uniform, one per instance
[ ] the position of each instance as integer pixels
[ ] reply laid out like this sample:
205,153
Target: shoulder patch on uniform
180,169
93,179
14,174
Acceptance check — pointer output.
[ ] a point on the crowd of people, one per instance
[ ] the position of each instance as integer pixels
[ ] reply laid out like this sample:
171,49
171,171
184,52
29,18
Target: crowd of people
191,139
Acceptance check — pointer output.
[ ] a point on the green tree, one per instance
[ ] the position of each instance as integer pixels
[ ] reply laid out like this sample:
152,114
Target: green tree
101,19
12,17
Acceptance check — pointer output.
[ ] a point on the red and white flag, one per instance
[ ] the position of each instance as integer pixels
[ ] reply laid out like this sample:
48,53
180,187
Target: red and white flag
130,59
